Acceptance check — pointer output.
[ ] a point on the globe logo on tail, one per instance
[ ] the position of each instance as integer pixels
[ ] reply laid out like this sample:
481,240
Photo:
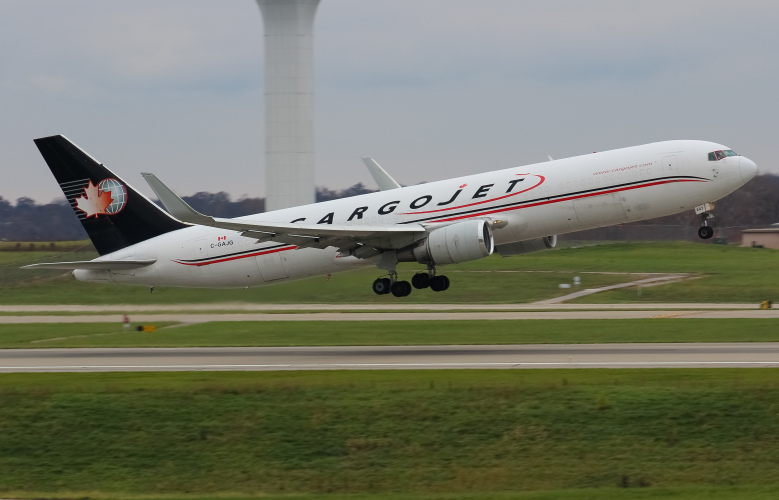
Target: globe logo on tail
107,198
118,195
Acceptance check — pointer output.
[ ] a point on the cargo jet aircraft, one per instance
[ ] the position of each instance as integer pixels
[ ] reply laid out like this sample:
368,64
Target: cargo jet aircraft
511,212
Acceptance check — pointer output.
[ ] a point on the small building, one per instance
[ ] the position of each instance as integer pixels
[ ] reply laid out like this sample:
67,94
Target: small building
766,237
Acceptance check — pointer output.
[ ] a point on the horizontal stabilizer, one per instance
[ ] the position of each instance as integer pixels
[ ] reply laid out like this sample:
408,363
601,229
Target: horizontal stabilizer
382,178
97,265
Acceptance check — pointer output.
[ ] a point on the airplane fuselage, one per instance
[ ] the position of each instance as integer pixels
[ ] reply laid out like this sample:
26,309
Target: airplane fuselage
555,197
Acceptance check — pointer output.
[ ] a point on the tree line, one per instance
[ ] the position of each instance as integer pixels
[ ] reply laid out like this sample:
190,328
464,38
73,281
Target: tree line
29,221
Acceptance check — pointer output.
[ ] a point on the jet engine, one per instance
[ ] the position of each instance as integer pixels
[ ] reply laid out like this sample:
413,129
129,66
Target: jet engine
527,246
460,242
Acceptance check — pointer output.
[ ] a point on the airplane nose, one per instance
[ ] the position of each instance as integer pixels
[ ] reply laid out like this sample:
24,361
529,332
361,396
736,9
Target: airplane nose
748,169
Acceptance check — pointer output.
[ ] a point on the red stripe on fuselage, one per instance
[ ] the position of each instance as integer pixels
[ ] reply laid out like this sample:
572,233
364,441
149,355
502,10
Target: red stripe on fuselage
236,257
568,198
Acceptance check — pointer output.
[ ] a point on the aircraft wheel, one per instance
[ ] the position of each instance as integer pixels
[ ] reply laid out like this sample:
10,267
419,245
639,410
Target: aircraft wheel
381,286
705,232
447,282
401,288
439,283
421,280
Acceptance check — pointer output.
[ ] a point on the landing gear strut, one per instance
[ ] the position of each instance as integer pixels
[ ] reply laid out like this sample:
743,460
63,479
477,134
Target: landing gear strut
438,282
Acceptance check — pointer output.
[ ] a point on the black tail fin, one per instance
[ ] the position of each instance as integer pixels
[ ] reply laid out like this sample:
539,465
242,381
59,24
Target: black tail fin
113,213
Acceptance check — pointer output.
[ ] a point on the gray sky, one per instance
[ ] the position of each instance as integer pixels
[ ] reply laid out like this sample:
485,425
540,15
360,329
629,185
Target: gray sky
430,88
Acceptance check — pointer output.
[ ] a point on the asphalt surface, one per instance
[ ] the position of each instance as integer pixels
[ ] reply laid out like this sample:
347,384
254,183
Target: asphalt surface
392,357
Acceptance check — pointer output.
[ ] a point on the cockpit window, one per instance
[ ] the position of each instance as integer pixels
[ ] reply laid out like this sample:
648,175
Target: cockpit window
718,155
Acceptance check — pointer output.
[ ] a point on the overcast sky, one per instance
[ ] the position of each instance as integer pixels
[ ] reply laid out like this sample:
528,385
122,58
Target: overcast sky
430,88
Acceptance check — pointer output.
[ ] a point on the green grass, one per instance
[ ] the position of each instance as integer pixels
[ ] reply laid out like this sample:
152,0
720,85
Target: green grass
349,287
317,333
37,335
729,274
721,493
459,432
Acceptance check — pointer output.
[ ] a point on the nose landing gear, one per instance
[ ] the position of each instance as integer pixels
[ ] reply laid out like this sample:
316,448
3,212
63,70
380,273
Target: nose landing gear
705,231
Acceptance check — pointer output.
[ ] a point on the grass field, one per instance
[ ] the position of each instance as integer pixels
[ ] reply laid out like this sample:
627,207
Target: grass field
468,285
318,333
701,433
729,274
688,493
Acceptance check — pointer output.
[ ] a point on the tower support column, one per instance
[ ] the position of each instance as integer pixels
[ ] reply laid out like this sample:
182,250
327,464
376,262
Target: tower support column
289,102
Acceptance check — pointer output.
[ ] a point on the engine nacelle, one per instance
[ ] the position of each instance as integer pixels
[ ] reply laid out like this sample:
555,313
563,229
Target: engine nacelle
460,242
527,246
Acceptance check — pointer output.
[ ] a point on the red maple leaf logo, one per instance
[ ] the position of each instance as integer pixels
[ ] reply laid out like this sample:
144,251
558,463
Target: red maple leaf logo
93,202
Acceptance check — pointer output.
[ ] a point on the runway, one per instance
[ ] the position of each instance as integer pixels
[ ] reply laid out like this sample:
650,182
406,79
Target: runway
392,311
715,355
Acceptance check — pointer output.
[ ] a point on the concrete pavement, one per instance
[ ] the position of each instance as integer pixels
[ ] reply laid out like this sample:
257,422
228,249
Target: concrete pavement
763,354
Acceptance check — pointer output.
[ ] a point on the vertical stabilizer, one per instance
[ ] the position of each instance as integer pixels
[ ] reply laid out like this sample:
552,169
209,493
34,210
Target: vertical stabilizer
113,214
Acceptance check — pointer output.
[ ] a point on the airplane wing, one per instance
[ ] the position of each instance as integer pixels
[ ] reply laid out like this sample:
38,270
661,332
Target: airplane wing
107,265
382,178
318,235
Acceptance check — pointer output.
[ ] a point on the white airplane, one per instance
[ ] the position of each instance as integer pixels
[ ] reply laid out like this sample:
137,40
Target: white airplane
512,211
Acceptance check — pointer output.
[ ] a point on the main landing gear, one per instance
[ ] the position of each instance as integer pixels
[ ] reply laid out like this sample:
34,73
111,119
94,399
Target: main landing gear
437,283
383,286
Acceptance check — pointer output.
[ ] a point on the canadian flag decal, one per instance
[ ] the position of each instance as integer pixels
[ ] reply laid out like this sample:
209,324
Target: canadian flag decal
222,238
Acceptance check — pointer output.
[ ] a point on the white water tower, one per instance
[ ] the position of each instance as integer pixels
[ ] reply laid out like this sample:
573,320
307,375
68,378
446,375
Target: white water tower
289,102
